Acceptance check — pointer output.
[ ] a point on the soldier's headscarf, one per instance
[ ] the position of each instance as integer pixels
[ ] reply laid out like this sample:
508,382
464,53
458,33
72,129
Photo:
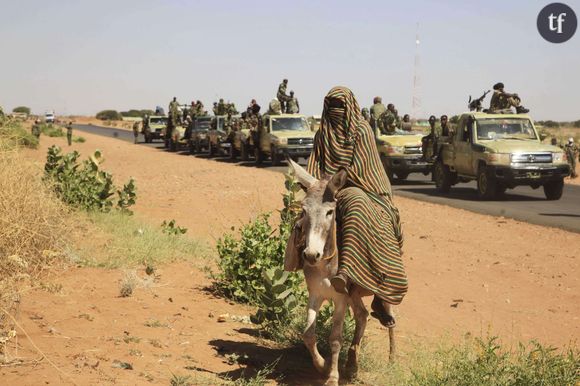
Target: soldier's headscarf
346,140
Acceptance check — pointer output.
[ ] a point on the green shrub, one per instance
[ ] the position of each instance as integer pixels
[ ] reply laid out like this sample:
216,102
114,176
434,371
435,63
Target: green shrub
51,130
79,139
21,109
171,228
84,185
109,115
14,135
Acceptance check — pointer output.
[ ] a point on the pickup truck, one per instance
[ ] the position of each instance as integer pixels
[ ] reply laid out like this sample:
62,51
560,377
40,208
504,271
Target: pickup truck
154,128
400,153
282,135
197,134
218,143
499,151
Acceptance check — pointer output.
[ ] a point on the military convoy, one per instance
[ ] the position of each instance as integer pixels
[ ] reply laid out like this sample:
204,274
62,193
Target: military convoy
499,151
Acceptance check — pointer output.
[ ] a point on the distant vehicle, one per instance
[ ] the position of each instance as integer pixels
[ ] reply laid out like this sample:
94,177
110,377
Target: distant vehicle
49,117
154,128
315,122
401,153
283,135
499,151
198,138
218,143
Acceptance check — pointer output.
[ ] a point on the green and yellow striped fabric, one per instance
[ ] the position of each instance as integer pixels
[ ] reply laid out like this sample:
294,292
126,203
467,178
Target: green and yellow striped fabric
370,236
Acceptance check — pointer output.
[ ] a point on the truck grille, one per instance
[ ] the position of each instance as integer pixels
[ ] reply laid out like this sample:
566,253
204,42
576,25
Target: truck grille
413,150
300,141
532,158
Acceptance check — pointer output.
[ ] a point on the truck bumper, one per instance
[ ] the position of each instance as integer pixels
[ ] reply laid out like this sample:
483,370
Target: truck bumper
406,164
302,151
537,175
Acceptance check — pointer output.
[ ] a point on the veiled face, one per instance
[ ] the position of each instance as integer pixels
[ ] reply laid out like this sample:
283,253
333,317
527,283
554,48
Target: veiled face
336,111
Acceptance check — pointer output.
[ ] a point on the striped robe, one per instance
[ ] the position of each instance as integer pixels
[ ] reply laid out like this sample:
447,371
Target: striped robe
369,228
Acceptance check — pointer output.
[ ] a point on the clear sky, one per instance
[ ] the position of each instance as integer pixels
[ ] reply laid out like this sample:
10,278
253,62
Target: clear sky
79,57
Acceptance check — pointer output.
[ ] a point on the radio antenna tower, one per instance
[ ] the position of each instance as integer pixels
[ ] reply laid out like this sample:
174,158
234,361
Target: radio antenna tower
416,103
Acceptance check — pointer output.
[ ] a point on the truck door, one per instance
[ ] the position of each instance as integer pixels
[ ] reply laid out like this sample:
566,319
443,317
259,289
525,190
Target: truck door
462,146
265,135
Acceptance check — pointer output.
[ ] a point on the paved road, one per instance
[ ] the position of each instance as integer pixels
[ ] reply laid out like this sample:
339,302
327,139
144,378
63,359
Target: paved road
522,203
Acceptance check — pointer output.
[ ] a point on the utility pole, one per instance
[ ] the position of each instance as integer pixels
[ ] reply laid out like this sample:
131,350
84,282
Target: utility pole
416,102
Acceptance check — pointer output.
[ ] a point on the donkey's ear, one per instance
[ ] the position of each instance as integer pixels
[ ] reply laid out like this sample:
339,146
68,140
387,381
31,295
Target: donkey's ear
304,179
337,182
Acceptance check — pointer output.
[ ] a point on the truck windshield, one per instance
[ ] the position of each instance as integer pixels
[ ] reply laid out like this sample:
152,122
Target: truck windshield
203,124
295,124
508,128
158,121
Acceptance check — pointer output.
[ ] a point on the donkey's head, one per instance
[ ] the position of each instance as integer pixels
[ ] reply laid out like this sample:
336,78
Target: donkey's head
318,226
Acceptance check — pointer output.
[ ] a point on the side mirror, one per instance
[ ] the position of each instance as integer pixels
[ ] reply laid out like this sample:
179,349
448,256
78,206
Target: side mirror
543,136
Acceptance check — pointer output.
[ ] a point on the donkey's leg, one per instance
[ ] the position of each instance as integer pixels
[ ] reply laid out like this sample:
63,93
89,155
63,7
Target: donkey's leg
309,336
392,344
340,305
360,315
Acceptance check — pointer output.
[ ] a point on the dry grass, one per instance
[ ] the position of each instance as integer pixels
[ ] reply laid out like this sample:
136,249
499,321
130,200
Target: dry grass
33,228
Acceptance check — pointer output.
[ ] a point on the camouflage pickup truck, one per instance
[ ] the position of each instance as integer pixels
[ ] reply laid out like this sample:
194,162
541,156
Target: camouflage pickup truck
499,151
282,135
154,128
400,153
197,134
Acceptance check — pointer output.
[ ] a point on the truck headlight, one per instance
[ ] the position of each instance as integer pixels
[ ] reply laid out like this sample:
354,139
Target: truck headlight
280,141
499,158
559,158
395,149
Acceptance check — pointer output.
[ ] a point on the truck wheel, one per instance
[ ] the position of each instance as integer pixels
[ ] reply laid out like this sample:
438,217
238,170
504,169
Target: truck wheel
258,155
442,177
402,176
244,152
275,156
486,184
553,190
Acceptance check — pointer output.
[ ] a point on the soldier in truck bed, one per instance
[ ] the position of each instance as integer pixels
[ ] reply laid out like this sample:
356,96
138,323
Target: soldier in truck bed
502,100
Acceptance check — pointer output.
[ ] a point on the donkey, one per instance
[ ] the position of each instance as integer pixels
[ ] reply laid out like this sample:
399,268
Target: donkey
314,249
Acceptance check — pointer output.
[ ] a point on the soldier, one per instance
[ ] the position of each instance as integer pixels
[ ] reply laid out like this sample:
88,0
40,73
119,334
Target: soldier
136,131
292,105
377,110
69,131
173,112
428,138
254,107
366,115
221,108
36,129
215,108
406,123
445,129
281,94
199,109
502,100
571,153
390,119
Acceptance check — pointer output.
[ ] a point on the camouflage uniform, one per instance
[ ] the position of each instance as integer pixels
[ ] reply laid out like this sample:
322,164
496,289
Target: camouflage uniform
281,94
571,153
292,105
501,100
221,108
69,132
136,131
377,110
390,120
36,130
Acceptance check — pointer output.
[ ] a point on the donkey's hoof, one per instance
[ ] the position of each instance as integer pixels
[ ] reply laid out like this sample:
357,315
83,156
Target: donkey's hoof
331,382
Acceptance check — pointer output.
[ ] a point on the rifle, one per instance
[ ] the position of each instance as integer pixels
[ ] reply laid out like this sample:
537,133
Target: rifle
475,104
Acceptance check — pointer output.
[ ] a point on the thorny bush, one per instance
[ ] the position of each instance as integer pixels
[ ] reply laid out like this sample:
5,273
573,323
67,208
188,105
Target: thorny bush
84,185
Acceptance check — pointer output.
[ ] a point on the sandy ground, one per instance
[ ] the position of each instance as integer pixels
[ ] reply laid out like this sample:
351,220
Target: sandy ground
468,273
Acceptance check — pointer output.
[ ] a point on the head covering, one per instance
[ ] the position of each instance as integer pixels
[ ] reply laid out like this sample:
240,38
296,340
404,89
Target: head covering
498,85
571,140
345,140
